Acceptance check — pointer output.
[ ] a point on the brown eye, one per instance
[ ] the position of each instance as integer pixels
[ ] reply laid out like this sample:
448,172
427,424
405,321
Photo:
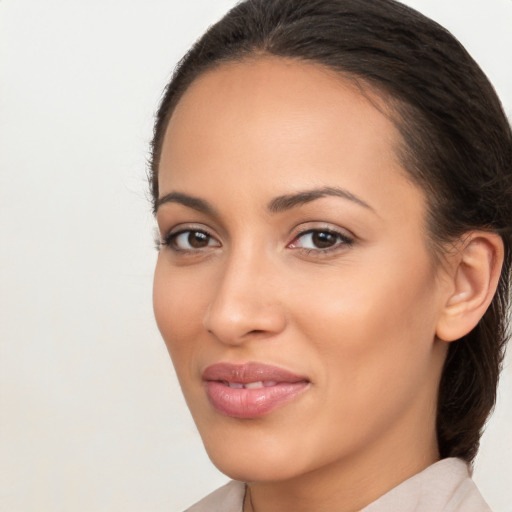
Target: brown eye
192,239
320,240
323,239
198,239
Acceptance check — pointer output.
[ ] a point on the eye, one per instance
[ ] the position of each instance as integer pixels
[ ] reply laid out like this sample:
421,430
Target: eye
190,240
320,240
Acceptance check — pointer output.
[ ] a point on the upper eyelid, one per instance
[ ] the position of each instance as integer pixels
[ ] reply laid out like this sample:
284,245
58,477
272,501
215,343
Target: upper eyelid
308,227
305,231
189,226
300,230
341,235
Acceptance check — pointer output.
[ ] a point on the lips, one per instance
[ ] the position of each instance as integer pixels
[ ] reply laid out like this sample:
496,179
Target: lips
250,390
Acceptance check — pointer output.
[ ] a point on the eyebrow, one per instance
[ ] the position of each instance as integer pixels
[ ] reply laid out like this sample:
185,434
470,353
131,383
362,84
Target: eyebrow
289,201
276,205
195,203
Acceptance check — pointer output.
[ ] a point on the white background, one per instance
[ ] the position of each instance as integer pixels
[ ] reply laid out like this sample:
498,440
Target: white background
91,416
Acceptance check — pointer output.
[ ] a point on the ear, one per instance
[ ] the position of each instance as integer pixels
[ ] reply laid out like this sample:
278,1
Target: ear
475,272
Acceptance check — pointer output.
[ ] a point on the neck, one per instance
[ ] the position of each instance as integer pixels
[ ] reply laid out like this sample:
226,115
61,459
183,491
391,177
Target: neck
352,483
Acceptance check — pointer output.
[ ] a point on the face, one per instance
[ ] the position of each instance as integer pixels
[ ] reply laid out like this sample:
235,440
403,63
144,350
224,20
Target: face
294,289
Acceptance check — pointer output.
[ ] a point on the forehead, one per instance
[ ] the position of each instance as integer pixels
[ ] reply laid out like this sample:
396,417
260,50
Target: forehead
274,125
264,90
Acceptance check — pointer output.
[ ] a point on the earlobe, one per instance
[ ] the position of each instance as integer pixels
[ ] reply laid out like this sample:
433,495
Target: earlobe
475,275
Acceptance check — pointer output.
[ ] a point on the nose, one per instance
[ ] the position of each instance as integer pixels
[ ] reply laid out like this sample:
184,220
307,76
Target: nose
245,304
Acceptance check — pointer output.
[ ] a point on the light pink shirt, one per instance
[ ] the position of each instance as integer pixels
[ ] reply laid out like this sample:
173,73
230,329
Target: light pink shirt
443,487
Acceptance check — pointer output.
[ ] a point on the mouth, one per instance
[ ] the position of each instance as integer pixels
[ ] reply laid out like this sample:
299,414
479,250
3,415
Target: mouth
250,390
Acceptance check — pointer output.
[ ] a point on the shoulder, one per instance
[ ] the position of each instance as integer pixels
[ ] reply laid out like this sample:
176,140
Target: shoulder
228,498
445,487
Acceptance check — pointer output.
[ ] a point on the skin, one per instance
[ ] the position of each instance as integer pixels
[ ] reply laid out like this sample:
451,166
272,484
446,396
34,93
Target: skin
359,320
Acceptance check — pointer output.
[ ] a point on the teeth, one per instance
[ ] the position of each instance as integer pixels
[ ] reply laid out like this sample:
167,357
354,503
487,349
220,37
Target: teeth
250,385
254,385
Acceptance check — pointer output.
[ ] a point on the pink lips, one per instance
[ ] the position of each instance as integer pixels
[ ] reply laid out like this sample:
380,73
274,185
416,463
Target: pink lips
250,390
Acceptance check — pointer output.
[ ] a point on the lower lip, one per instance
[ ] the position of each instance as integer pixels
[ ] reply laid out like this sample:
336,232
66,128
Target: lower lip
251,403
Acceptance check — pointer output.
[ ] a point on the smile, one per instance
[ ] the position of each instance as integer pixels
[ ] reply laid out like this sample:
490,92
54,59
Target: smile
250,390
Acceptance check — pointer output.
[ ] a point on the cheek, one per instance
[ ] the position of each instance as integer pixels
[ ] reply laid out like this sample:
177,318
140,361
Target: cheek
177,311
373,344
374,325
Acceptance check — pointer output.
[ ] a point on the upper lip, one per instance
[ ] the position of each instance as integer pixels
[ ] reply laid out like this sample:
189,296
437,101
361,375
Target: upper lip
249,372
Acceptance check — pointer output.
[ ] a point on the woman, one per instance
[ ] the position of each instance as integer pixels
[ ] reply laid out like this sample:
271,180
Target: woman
332,185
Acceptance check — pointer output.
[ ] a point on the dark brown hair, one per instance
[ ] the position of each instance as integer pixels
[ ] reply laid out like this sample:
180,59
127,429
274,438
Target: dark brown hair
457,146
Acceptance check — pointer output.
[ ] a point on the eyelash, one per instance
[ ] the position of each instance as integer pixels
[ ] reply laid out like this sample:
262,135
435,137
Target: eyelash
170,239
342,240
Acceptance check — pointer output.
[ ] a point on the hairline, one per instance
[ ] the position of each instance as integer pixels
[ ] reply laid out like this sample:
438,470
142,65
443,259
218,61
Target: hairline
383,100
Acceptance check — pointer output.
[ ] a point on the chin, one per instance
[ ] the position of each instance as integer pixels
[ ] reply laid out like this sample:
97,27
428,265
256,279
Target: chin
239,466
250,454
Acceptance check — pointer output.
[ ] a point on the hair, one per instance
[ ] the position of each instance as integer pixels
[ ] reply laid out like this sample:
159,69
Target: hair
456,145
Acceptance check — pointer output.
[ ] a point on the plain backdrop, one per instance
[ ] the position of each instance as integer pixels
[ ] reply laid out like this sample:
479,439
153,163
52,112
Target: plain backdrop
91,415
